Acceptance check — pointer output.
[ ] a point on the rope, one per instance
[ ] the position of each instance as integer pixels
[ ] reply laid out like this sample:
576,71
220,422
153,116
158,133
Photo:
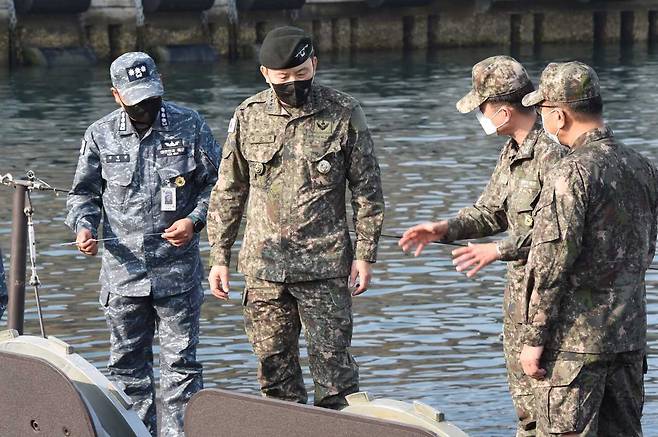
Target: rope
443,243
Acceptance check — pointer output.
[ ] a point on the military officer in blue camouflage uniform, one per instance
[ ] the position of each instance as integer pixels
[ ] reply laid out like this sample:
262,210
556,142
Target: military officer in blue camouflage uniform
145,172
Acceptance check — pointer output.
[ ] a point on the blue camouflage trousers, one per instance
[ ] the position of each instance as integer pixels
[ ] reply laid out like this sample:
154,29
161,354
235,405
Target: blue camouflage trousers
133,322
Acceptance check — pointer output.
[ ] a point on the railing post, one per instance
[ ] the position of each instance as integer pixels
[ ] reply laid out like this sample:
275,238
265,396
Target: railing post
16,308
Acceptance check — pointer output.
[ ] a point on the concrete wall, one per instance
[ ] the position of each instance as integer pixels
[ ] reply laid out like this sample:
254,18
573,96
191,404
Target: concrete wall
109,27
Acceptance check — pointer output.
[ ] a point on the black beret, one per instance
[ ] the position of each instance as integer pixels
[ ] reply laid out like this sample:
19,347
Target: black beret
285,47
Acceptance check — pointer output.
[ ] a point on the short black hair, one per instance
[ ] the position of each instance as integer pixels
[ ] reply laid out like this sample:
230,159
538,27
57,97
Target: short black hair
514,99
586,109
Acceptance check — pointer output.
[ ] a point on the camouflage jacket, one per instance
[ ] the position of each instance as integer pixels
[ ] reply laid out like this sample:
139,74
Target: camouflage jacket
595,236
507,204
290,170
119,181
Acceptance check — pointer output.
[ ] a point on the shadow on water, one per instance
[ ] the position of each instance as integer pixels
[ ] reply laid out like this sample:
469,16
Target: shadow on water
423,331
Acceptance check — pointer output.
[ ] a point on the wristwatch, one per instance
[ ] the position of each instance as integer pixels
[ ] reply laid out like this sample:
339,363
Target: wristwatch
198,224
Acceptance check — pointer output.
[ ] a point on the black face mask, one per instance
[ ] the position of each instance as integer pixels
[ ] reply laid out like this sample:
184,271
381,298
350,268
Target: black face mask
144,112
293,93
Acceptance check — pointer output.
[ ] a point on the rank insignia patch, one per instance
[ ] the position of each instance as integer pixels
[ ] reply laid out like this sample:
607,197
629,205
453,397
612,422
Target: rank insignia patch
137,72
164,120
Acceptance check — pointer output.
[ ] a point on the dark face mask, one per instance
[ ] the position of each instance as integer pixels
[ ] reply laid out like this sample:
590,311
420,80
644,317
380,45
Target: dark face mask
144,112
293,93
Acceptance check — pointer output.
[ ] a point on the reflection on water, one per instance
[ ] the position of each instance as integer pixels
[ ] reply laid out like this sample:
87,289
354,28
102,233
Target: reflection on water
423,331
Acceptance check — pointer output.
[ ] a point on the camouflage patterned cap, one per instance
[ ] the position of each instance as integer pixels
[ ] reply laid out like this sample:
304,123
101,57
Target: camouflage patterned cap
135,77
564,82
493,77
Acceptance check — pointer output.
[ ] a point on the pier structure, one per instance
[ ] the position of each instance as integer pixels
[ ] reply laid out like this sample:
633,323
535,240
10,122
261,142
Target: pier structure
60,31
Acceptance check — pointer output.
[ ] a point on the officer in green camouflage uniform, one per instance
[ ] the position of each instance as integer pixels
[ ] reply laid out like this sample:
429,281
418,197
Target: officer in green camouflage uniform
290,153
499,84
595,235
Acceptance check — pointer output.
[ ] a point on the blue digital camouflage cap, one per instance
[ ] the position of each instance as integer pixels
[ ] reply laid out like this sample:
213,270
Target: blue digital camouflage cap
135,77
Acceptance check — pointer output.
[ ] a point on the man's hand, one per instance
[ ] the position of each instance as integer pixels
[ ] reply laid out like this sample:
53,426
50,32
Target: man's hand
421,235
86,243
480,255
218,280
363,271
530,356
180,233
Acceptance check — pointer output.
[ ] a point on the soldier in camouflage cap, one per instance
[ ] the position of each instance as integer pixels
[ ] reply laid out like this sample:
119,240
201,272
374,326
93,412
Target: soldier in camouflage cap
584,332
3,288
567,82
507,203
291,152
145,172
493,77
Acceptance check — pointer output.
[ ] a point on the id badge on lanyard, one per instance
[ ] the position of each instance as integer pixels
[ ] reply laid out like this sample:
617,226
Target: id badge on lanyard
168,199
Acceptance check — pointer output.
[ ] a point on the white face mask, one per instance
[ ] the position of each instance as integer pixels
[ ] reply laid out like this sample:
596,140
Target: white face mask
489,127
553,137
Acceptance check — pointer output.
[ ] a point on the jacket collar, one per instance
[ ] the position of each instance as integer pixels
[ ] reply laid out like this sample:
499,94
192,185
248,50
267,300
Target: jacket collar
162,122
313,105
591,136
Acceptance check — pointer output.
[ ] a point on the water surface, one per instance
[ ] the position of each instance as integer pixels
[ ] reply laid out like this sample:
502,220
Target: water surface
423,332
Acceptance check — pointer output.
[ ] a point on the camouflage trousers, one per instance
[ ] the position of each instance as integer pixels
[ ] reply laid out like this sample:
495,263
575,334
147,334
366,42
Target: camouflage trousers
133,322
590,395
274,314
520,384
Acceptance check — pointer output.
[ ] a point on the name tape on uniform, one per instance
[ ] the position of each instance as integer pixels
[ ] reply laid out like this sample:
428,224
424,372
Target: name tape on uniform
172,148
117,158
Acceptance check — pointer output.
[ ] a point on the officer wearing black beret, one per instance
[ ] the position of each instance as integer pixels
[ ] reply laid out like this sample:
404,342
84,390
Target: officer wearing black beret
292,150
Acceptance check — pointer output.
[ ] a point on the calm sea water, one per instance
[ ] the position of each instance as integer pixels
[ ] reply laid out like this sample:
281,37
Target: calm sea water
423,332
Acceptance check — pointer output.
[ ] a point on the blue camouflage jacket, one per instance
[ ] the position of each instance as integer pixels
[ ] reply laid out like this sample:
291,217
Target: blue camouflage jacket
119,182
